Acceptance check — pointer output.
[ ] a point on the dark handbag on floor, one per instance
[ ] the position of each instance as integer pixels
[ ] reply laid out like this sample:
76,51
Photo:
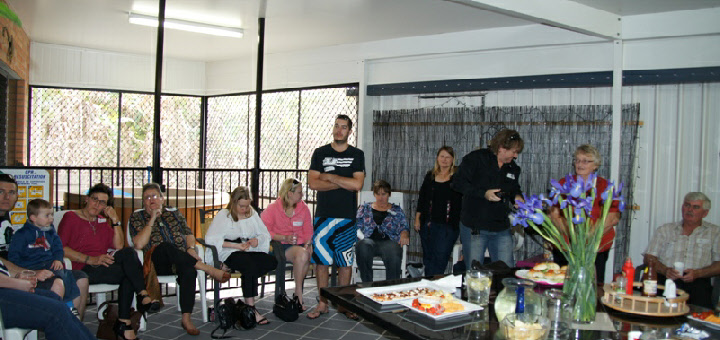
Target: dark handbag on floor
245,315
286,308
110,316
225,315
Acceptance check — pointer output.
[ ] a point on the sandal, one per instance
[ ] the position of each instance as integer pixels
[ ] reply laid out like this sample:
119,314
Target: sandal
352,316
143,307
317,313
263,321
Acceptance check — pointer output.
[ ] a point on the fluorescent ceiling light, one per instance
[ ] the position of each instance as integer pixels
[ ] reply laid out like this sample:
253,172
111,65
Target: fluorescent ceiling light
190,26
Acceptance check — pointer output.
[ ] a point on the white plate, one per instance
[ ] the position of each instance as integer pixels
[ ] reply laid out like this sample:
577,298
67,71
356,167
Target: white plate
469,308
368,292
523,274
705,323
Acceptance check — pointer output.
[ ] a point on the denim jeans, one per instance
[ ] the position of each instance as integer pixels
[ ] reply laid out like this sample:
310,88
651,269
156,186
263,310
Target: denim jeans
390,252
33,311
437,241
499,243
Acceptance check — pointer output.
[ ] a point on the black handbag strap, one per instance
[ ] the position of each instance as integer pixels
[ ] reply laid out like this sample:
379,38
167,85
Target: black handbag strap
223,336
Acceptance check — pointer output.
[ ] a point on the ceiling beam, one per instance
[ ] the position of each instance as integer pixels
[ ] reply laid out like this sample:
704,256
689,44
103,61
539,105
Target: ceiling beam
565,14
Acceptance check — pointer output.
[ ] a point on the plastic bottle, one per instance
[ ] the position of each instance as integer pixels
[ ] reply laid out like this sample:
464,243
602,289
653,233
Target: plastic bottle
629,271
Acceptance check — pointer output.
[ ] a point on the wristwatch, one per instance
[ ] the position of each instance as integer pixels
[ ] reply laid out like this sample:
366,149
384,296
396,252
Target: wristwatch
116,224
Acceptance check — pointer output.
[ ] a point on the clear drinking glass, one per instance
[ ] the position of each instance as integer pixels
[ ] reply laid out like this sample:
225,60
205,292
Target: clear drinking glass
28,275
477,283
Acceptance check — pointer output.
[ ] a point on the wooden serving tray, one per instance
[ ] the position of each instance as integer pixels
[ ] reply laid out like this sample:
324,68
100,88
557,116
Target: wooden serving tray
643,305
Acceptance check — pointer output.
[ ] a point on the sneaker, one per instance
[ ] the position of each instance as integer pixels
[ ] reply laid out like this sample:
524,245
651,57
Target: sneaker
75,312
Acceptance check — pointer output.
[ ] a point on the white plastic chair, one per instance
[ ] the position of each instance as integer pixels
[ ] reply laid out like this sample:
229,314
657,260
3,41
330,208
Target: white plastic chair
378,265
166,279
99,289
19,334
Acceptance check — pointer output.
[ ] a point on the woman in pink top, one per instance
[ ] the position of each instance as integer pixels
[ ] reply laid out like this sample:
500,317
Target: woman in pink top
288,221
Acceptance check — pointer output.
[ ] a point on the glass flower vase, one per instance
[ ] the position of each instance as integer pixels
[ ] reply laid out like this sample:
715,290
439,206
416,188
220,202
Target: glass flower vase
581,289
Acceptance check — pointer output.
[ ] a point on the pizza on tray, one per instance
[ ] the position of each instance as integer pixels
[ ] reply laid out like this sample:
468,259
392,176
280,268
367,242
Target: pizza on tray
403,294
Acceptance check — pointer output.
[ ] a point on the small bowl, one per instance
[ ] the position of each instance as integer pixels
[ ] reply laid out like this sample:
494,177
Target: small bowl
429,300
525,326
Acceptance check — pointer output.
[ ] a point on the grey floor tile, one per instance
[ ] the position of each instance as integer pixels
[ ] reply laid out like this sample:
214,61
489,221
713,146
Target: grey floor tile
332,326
360,336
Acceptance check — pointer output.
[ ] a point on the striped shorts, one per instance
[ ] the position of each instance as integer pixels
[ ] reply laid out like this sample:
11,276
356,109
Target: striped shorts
334,241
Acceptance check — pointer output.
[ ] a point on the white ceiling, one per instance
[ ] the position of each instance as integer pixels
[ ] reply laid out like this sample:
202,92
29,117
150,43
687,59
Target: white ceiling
291,25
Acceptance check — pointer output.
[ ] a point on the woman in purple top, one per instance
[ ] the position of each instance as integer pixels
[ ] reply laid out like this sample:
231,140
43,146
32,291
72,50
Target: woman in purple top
385,230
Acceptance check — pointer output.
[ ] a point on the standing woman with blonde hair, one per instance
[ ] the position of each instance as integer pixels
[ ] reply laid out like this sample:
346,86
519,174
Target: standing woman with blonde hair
243,243
438,213
288,221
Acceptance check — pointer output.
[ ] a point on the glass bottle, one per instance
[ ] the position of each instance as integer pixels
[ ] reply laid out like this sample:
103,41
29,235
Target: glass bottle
649,280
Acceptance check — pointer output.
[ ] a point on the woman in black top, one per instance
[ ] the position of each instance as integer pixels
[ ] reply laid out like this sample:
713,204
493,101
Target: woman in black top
438,213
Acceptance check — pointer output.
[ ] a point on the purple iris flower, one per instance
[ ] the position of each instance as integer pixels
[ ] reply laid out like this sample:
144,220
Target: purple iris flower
578,219
577,188
537,218
622,204
581,203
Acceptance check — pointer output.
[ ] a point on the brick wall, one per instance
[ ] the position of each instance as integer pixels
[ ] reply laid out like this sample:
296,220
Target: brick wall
17,90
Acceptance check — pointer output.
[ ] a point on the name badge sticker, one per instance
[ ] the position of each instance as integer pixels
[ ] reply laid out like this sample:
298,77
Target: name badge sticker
510,176
297,223
101,220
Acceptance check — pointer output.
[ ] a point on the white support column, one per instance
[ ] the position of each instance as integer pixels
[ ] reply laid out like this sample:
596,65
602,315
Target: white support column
364,125
616,134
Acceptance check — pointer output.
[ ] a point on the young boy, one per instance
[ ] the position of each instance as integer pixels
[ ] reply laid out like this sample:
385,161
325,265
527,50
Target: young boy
37,246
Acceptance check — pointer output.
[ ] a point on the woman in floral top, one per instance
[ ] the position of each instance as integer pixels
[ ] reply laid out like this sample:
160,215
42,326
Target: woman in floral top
385,230
168,241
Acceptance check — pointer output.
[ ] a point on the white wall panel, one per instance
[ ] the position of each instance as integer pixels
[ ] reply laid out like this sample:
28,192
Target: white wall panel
679,52
67,66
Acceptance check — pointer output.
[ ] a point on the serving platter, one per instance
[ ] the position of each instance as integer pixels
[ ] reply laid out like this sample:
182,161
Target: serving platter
413,289
468,308
706,323
524,274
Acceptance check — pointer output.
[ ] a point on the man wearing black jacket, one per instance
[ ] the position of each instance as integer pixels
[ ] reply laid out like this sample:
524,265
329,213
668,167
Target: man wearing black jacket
488,180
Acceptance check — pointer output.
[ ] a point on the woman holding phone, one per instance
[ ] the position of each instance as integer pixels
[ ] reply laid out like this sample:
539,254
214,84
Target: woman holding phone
93,239
242,241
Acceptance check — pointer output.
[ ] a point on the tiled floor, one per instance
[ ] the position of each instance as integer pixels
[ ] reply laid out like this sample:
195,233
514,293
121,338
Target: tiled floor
332,326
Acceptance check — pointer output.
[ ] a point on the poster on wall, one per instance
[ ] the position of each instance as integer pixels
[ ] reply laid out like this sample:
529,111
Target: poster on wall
32,184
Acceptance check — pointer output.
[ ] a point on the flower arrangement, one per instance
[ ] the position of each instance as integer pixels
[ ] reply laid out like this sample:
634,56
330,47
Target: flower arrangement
580,241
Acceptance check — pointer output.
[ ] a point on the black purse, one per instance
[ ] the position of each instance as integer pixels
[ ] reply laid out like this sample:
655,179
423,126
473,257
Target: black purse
225,315
286,308
245,315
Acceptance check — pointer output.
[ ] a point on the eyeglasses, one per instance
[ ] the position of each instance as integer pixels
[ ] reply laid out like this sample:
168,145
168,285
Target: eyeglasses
151,197
98,201
583,161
